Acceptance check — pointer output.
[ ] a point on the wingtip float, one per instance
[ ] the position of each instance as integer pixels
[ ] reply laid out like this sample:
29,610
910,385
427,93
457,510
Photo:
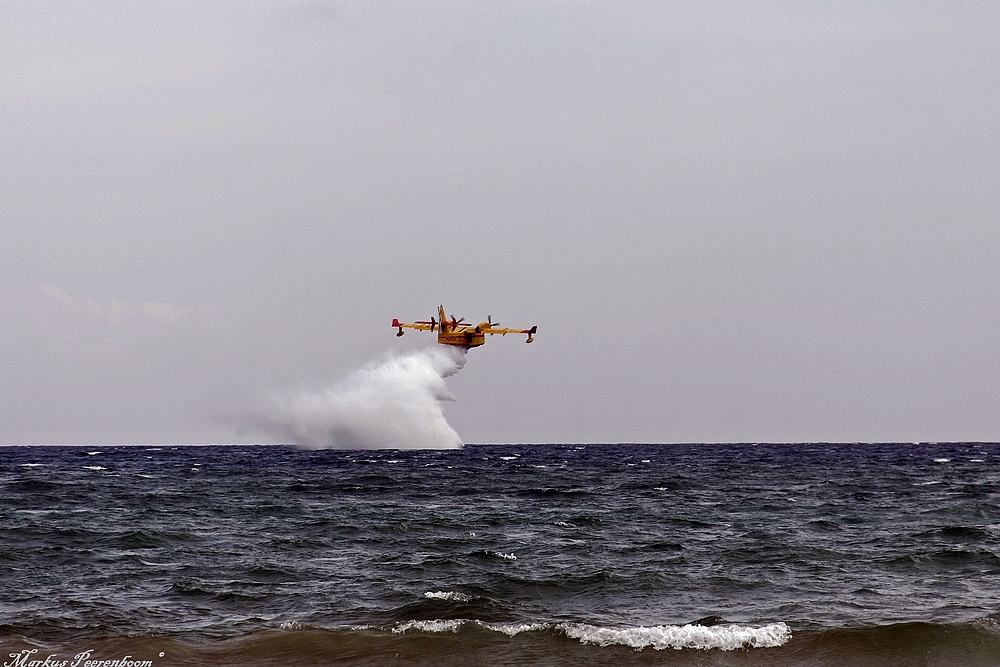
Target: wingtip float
454,331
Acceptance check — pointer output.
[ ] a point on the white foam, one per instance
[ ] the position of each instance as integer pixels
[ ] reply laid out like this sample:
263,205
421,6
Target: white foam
32,465
430,626
942,460
511,629
94,468
727,637
447,595
396,403
500,554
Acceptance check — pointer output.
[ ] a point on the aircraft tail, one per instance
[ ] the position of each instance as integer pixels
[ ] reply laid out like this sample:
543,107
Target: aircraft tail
442,319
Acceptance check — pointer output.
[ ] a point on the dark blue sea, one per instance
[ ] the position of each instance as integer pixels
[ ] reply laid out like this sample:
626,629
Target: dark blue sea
739,554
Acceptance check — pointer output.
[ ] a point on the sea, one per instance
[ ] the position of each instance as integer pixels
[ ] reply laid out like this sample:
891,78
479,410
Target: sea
816,554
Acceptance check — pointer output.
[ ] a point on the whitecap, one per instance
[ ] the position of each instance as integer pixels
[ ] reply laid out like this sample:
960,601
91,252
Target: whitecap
429,626
32,465
449,625
94,468
511,629
941,460
167,564
727,637
93,453
509,458
447,595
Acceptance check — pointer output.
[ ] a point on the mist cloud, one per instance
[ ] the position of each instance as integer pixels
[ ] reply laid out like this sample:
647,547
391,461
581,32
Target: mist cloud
115,310
395,403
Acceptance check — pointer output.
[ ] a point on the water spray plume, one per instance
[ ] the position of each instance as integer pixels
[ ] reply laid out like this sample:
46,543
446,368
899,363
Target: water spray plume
395,403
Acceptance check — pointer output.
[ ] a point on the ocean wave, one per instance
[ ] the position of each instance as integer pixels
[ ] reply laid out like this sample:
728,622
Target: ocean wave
465,642
448,595
437,625
490,553
724,637
514,629
451,605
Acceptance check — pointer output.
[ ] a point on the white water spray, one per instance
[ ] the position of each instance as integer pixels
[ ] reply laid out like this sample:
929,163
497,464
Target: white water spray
395,403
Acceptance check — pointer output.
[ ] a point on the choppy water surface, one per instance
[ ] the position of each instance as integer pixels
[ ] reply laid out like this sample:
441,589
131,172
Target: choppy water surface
558,554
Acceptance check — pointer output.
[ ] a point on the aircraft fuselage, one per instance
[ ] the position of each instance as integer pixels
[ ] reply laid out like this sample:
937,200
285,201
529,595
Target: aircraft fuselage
466,338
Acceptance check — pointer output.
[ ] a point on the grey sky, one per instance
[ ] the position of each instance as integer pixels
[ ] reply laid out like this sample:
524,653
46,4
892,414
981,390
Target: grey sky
730,221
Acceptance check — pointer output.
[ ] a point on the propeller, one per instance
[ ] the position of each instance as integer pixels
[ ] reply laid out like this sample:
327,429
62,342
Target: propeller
433,323
489,320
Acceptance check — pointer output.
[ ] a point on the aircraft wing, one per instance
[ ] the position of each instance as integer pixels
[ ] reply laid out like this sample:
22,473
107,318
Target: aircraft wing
419,326
503,331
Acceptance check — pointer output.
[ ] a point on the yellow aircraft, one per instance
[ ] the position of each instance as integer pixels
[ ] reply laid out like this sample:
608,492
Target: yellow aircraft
457,332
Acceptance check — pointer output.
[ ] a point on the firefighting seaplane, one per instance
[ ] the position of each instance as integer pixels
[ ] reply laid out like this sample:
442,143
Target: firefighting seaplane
457,332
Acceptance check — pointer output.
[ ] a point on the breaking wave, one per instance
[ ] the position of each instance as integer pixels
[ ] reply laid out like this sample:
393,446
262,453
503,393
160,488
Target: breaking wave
448,595
725,637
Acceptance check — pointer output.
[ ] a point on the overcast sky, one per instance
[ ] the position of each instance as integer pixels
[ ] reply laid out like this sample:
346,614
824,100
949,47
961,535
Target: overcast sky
730,221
